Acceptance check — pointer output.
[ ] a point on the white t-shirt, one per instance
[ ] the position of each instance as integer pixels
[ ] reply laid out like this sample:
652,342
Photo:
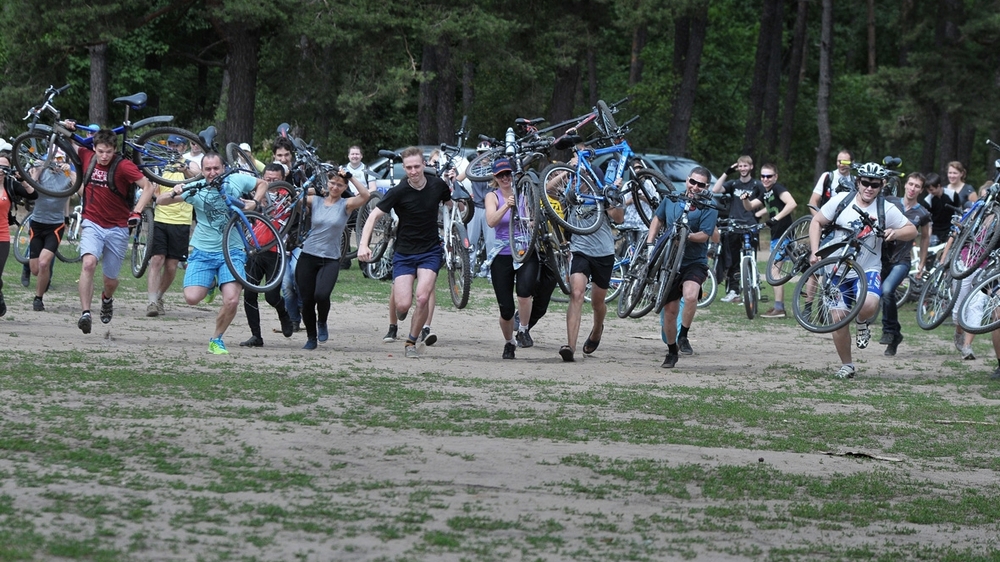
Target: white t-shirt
835,178
870,256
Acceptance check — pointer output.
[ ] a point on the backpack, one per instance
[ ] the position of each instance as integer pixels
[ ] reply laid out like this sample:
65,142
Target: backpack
128,196
829,191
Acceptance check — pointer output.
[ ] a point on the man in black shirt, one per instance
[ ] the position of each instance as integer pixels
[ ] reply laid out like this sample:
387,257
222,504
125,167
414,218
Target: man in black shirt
744,187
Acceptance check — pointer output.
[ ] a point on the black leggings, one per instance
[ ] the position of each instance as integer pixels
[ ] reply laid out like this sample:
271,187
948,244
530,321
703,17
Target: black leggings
504,278
4,254
547,282
316,278
258,267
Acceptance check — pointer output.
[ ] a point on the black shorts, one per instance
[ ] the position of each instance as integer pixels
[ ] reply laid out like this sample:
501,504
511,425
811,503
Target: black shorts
170,240
597,269
697,272
45,237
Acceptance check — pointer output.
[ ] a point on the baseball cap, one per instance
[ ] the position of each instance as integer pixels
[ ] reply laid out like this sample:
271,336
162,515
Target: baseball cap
501,165
177,139
245,147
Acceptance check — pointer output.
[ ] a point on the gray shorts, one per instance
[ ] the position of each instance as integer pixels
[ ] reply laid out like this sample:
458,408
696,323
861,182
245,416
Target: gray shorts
107,244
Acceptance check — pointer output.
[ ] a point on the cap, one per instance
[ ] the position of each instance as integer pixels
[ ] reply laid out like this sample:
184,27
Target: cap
5,146
176,139
483,146
245,147
501,165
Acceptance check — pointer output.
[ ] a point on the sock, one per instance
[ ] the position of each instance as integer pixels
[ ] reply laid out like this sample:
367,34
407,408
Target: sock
104,298
778,305
86,311
427,327
672,348
411,339
512,341
683,333
522,328
153,295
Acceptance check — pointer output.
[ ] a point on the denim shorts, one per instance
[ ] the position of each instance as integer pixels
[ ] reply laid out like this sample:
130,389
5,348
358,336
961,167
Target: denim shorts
408,264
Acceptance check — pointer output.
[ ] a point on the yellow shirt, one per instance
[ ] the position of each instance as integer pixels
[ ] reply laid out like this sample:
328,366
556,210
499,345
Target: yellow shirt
177,213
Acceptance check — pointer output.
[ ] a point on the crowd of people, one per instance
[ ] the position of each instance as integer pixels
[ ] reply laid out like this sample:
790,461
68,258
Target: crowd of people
114,193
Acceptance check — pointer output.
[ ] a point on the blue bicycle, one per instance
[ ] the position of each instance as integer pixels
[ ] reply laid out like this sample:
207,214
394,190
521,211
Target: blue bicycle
155,151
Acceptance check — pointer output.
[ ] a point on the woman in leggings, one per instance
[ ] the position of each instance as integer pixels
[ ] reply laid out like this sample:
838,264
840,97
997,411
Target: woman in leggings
505,276
319,264
11,189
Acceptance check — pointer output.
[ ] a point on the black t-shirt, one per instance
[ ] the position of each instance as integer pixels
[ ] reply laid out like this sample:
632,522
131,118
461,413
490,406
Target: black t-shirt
418,214
941,213
774,204
736,189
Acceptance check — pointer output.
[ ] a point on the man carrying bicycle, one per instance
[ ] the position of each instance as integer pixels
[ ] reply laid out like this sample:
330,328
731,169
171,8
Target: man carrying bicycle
871,179
206,263
109,209
743,187
694,265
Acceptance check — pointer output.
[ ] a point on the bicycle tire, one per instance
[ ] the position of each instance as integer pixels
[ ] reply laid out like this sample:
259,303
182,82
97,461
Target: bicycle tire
238,159
978,312
522,231
748,279
141,238
242,242
708,296
382,234
904,292
793,249
459,268
670,268
481,167
557,254
975,242
157,160
937,298
649,286
646,185
68,250
33,149
279,204
605,119
818,316
380,269
21,241
614,285
578,216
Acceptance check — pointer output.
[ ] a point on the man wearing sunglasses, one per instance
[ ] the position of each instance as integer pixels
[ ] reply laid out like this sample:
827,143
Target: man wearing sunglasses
744,187
833,182
871,179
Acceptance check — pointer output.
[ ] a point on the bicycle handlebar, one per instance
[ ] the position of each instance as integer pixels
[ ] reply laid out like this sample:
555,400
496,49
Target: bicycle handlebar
619,102
993,145
868,221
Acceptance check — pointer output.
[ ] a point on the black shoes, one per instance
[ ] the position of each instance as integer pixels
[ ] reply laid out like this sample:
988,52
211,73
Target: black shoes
524,339
107,309
38,305
254,341
685,346
508,350
84,322
669,361
894,341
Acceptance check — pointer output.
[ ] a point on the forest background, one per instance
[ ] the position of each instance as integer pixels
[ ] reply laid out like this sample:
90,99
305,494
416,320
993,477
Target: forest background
787,82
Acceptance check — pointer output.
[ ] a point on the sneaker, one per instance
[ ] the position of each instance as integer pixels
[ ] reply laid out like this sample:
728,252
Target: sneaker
886,338
38,305
254,341
967,353
864,335
775,313
959,341
670,361
310,345
730,296
151,310
322,334
524,339
845,372
737,300
685,346
286,327
217,346
995,375
160,309
410,351
894,341
25,276
427,337
3,305
84,323
107,310
211,293
402,315
508,350
390,336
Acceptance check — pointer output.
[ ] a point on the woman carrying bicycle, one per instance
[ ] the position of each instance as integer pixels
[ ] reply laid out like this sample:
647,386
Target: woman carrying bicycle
319,264
507,278
11,188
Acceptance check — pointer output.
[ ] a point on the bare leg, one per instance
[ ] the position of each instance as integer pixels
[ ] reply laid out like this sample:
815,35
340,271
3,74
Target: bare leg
574,312
230,304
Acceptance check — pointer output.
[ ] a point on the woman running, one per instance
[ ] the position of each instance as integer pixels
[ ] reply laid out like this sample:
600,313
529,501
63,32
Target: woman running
11,188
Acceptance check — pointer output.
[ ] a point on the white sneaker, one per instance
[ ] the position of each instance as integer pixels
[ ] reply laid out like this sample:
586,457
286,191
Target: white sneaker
845,372
730,296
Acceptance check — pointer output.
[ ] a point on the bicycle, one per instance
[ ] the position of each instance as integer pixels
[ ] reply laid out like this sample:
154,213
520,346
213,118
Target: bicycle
383,237
140,237
979,311
150,151
710,288
456,240
749,275
980,230
68,250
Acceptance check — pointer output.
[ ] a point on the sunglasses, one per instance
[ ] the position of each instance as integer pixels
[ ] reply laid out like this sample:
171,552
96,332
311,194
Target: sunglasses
504,175
697,183
844,162
766,176
876,184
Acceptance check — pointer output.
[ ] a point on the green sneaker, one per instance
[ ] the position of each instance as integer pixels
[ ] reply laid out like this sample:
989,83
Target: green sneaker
217,346
211,293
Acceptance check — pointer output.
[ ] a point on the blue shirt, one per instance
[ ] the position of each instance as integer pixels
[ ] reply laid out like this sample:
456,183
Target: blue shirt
699,220
211,210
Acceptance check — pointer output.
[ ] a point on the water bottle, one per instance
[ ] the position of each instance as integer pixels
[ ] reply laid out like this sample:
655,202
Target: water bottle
509,141
609,175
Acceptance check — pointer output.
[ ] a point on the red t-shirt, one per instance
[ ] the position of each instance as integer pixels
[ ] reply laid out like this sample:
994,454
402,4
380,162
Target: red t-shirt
103,206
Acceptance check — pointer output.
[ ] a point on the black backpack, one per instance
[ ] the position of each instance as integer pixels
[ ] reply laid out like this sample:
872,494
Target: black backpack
128,196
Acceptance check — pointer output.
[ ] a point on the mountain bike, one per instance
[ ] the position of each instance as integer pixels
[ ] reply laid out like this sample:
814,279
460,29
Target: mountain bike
383,238
241,161
150,151
749,276
140,237
830,304
979,311
980,230
710,288
68,250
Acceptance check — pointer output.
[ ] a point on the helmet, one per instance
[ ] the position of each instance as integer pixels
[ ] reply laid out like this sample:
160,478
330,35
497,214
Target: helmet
483,146
871,170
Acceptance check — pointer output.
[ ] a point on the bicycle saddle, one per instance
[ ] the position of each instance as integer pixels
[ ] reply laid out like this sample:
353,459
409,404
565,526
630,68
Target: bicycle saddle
135,101
567,141
208,135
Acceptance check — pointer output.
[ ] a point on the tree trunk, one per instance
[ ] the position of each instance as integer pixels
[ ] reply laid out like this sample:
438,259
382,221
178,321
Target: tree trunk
871,36
468,93
963,149
823,94
99,84
795,72
772,89
638,44
760,68
242,65
427,102
683,105
949,132
564,92
592,78
930,139
446,86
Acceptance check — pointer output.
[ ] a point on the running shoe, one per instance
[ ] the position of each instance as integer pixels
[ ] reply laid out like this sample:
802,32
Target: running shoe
524,339
845,372
38,305
107,309
84,323
995,375
959,341
151,310
967,353
508,350
427,337
217,346
685,346
25,276
310,345
730,296
390,336
322,333
775,313
3,305
669,361
160,309
864,335
410,351
254,341
890,350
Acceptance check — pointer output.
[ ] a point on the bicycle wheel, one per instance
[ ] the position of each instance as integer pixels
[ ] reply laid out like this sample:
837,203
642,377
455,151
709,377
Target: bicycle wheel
822,308
791,253
709,288
648,288
380,269
481,167
582,208
279,204
670,269
36,150
381,235
630,293
68,250
646,185
459,268
978,313
522,219
937,297
239,160
22,241
158,160
243,241
363,213
904,292
605,119
140,237
615,286
748,286
974,244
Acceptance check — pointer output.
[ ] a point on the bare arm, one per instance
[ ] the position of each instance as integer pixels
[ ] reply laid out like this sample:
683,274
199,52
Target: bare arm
361,198
364,252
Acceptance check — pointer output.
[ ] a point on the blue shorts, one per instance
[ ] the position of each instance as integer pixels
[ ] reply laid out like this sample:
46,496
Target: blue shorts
849,289
408,264
205,267
107,244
